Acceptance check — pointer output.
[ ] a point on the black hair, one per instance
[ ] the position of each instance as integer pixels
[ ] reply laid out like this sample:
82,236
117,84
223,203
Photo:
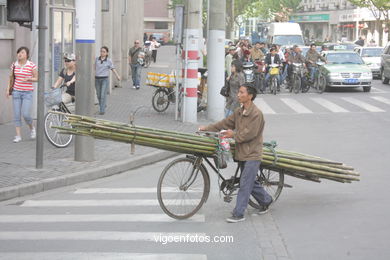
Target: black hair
257,43
311,45
272,49
250,88
25,49
105,47
238,65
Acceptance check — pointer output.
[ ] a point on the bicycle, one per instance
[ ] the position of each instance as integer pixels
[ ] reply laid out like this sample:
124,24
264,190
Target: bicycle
184,185
297,80
52,134
319,83
273,81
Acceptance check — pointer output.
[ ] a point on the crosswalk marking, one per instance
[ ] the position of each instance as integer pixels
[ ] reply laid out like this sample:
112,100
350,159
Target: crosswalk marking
264,107
91,235
329,105
382,99
296,106
131,190
362,104
95,218
102,203
97,256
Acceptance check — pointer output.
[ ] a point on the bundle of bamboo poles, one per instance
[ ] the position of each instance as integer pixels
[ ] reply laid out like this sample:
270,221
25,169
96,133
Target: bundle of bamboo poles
292,163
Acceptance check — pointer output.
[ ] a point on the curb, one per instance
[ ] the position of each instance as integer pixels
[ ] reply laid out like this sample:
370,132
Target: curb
82,176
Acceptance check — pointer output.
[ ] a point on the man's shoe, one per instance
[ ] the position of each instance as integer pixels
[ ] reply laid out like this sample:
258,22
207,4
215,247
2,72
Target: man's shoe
265,208
235,219
17,139
137,87
101,113
134,87
33,133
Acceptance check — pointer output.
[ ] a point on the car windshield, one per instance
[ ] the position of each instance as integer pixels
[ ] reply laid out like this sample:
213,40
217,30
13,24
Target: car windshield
372,52
288,40
344,58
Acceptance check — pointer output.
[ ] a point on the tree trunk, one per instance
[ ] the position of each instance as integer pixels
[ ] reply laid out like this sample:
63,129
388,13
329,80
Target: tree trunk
379,29
230,18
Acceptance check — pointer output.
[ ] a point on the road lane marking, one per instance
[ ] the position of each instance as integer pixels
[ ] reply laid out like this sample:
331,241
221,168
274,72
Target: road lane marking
95,218
382,99
97,256
329,105
362,104
102,203
131,190
264,107
91,235
296,106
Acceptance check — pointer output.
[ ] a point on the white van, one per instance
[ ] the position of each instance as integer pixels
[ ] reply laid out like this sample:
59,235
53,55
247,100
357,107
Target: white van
285,34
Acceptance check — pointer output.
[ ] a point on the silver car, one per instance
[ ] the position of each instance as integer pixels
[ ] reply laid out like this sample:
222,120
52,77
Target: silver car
372,57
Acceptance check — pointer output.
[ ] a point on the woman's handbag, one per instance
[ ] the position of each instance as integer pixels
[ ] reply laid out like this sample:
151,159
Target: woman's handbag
225,89
11,80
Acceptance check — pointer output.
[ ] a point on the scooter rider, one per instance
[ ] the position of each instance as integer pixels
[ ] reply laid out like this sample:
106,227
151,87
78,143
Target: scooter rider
312,56
295,56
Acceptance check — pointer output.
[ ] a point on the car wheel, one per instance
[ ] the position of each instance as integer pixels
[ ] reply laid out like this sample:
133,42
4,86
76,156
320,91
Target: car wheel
366,89
384,79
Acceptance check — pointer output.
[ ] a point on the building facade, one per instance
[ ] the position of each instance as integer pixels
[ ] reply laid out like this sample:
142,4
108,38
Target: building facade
118,23
339,20
158,19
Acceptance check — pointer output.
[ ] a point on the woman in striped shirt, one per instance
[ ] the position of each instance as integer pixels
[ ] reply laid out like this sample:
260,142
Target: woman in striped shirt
25,73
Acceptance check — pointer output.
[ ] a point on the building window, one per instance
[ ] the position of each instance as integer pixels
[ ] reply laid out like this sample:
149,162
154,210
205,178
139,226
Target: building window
161,25
69,3
3,15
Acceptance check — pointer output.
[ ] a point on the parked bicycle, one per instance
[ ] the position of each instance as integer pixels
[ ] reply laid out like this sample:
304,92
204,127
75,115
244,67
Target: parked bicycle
184,185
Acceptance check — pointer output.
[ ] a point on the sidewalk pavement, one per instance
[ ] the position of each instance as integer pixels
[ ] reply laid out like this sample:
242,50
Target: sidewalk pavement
19,177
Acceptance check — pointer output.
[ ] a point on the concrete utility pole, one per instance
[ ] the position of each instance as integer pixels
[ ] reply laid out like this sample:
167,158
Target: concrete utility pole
41,84
216,59
85,46
192,33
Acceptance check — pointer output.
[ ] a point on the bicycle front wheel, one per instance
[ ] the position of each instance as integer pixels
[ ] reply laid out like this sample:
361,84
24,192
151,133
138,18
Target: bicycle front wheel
321,85
297,84
52,134
272,182
182,188
274,84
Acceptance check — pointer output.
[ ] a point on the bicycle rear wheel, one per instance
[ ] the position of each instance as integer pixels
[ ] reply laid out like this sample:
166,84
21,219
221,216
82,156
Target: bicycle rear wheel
160,100
272,182
52,134
182,188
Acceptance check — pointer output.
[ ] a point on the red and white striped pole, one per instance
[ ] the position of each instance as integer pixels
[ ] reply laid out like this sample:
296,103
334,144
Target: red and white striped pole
191,57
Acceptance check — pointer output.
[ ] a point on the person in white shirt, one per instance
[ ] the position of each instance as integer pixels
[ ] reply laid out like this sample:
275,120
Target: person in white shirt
153,47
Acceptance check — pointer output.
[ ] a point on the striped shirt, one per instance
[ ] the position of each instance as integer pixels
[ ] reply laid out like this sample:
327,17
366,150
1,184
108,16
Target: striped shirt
22,72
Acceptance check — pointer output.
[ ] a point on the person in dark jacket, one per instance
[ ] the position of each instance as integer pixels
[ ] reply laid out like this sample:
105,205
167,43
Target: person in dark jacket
271,58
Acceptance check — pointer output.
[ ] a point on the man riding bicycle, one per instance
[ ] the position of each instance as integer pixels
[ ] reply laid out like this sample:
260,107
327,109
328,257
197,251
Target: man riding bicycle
312,57
272,58
246,126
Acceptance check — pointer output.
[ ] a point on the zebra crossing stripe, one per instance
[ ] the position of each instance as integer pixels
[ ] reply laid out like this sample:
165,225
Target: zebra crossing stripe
104,203
96,256
91,235
95,218
329,105
264,107
382,99
362,104
296,106
130,190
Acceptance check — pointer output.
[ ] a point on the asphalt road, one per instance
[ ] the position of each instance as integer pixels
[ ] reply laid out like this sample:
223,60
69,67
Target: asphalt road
309,221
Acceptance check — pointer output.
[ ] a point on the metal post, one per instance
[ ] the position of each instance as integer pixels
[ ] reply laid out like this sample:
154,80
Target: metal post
85,46
41,83
216,60
191,56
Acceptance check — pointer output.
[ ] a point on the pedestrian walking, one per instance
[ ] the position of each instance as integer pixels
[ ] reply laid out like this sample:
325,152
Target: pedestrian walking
23,74
246,126
234,82
153,47
135,61
67,78
103,66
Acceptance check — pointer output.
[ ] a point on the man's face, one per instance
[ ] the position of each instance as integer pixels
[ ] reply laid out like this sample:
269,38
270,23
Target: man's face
136,43
257,45
313,47
273,52
243,95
